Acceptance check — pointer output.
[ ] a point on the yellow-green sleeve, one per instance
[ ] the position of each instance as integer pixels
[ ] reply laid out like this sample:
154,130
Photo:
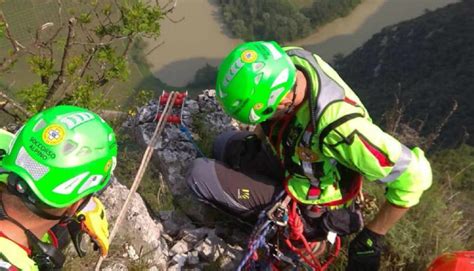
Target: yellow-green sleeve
361,145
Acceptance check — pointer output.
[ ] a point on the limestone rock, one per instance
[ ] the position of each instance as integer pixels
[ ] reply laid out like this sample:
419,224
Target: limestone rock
138,228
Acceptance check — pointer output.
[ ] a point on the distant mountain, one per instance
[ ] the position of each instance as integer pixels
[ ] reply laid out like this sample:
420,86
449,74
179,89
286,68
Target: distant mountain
428,62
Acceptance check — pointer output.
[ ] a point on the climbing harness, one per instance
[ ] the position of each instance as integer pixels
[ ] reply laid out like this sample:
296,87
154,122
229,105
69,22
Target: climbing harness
282,220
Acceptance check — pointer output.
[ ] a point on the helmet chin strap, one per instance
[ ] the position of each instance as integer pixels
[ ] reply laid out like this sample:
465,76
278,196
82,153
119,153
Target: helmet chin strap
19,188
46,256
292,106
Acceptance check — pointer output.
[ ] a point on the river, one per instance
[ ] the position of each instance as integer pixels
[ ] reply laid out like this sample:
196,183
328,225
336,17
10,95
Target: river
202,38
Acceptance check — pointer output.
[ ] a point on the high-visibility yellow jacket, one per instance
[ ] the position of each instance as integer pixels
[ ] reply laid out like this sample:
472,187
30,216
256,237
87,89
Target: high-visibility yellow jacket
331,128
12,255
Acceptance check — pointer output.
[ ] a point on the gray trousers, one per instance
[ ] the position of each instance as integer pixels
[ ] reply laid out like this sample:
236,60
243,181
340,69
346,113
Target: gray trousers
243,178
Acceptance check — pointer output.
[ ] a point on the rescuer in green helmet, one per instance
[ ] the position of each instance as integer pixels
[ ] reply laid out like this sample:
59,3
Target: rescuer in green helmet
49,172
314,139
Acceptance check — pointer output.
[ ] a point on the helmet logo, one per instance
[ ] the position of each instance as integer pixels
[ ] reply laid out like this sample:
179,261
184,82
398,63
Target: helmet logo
53,134
258,106
249,56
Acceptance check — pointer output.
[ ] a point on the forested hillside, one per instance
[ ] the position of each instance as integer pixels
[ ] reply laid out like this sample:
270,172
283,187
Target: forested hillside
280,20
427,63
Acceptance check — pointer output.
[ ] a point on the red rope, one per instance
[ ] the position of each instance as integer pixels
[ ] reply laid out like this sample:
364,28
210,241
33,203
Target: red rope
296,233
333,255
296,227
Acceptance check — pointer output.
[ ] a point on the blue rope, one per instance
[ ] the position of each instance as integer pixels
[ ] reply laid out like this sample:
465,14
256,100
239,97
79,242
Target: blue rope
256,244
188,134
259,240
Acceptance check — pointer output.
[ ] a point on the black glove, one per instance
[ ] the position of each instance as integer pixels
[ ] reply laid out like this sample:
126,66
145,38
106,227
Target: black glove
365,251
343,221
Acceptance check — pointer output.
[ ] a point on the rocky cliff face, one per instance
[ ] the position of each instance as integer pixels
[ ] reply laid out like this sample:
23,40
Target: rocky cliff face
426,63
173,240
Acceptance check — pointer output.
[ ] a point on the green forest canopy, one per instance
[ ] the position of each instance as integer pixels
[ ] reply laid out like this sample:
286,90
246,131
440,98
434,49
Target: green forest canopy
280,20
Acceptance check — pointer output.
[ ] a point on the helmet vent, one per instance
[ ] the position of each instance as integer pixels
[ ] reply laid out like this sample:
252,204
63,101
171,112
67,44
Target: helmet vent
267,111
76,119
257,66
35,169
69,146
84,151
236,103
258,77
281,78
39,125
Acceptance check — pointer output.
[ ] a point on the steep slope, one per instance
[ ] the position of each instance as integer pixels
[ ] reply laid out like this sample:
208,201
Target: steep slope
428,62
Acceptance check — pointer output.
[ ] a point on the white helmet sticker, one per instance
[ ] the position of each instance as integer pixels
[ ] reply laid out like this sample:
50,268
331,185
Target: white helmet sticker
234,69
281,78
93,180
76,119
273,50
274,95
69,186
253,116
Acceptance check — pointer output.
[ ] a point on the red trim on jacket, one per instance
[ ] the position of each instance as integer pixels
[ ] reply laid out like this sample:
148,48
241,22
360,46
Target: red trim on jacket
54,238
382,158
351,194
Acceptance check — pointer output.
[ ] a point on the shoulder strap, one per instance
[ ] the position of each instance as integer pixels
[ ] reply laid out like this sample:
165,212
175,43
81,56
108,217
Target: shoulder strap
333,125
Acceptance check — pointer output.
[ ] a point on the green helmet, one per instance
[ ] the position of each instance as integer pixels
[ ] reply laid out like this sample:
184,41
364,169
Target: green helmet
253,79
63,154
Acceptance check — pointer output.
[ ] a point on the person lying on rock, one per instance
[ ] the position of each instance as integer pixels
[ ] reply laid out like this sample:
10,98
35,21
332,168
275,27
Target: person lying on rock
50,171
314,139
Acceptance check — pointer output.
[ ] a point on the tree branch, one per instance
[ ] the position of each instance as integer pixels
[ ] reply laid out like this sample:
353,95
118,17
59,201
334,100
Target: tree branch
433,136
82,71
13,104
154,48
60,78
15,44
60,7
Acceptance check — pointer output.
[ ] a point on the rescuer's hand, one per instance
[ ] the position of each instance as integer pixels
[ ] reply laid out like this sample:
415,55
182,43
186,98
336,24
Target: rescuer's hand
365,251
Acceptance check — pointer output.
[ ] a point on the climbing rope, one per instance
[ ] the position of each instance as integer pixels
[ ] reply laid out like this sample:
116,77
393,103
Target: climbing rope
139,176
185,130
259,235
279,217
